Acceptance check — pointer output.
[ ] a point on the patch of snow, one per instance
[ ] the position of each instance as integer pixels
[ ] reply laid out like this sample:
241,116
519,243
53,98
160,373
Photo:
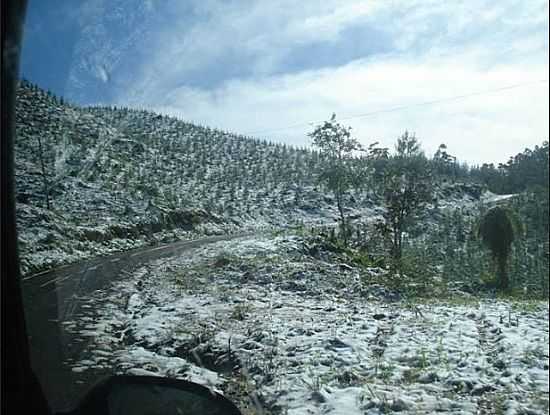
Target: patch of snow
310,348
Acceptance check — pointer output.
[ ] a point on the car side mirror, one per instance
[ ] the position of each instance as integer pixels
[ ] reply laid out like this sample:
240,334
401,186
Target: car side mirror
150,395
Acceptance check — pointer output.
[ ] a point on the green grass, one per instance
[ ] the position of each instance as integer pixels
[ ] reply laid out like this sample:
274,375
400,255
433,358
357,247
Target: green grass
411,375
528,305
386,372
493,403
241,312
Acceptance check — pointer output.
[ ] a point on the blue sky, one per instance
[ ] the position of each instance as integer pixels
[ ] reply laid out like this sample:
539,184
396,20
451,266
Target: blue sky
258,67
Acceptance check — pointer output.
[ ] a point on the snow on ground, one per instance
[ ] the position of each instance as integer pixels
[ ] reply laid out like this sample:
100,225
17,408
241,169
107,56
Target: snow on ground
277,329
492,198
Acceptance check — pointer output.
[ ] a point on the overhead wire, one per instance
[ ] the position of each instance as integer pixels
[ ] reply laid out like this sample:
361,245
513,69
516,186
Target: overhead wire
403,107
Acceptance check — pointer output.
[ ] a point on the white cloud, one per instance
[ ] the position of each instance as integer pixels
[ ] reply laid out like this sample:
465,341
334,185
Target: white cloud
260,33
440,49
485,127
327,24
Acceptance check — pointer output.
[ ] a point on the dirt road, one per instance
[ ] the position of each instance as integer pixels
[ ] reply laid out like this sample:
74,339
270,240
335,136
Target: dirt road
55,297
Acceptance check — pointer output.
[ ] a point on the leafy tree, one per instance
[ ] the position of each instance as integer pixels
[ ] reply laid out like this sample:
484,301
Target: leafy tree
337,146
444,163
407,188
528,169
488,174
497,233
524,171
377,159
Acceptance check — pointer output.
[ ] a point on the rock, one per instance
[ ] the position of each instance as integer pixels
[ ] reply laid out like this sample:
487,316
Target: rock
295,286
246,277
430,377
221,262
337,344
463,385
379,349
500,364
250,345
479,390
392,296
399,405
318,397
308,208
379,316
299,275
299,331
326,361
346,267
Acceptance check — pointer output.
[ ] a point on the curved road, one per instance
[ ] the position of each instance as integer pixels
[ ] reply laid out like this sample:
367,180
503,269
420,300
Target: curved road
54,296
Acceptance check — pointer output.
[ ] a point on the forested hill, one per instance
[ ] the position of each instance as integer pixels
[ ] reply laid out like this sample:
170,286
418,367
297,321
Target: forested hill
527,170
135,157
118,177
94,180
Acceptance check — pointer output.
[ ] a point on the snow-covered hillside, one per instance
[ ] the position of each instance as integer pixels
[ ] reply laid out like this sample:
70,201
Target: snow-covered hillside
286,321
117,178
91,181
283,332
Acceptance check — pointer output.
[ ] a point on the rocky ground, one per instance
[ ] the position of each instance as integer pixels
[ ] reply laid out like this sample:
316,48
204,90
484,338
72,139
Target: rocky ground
282,326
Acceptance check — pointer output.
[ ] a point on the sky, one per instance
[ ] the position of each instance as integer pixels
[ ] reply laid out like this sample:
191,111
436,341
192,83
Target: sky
471,74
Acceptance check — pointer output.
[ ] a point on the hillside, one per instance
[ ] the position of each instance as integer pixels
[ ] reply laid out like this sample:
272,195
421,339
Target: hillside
280,330
286,319
116,178
96,180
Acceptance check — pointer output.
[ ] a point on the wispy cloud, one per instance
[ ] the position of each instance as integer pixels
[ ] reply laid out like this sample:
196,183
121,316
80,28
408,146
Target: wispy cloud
254,66
485,127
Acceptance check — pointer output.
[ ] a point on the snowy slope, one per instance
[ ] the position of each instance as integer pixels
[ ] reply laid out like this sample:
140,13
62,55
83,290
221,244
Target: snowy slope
118,178
280,331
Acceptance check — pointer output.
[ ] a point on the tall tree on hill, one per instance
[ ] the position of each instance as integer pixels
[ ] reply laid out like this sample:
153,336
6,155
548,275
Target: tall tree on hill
497,232
377,159
407,188
337,146
445,163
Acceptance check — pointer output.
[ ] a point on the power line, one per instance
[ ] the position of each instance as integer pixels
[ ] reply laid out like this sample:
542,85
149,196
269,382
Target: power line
403,107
